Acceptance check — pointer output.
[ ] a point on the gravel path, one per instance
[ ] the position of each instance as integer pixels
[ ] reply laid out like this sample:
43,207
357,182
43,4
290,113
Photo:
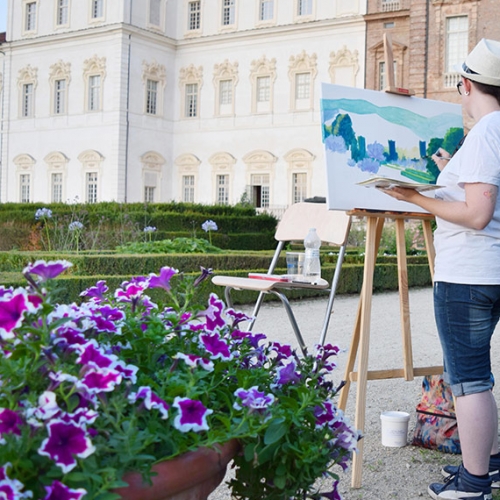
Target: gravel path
402,473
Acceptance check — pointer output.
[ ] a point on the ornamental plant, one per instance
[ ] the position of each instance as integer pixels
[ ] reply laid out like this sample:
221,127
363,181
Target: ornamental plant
122,381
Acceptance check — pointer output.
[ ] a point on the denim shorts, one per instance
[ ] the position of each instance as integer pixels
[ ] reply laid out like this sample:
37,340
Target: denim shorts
466,316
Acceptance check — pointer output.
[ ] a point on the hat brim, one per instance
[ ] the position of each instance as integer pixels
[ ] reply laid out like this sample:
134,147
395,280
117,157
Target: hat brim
487,80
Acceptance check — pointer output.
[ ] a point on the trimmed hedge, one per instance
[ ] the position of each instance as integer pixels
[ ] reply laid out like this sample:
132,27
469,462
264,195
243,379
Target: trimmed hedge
351,280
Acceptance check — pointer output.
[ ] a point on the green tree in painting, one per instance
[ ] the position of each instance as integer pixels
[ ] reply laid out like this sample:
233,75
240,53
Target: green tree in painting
434,144
342,125
452,138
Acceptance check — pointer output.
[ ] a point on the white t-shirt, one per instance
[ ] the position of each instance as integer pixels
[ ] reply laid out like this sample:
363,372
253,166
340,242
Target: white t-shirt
466,255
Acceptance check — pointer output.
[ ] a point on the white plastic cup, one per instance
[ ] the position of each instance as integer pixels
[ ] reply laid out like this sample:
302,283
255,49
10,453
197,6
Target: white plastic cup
394,428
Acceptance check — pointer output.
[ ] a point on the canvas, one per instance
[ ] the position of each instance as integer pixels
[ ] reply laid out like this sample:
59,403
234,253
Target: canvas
367,133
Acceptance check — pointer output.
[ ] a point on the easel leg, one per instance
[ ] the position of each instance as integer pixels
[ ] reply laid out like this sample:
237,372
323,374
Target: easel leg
404,300
364,344
353,350
429,245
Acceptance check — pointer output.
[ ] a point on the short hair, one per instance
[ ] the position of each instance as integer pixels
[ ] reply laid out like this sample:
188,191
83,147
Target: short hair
491,90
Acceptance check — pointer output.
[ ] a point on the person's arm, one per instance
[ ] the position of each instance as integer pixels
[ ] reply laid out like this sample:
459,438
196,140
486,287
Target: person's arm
475,212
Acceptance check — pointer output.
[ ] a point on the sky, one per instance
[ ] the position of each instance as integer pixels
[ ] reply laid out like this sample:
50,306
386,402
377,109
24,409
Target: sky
3,15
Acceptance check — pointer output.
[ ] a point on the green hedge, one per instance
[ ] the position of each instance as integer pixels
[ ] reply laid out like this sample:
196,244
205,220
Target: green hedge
351,279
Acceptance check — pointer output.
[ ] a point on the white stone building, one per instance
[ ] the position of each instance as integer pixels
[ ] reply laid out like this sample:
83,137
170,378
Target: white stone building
159,100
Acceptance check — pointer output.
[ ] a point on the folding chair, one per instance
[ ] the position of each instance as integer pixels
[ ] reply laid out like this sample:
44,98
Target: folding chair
332,227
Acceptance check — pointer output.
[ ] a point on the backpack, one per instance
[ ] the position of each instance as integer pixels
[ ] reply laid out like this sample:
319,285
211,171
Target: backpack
436,426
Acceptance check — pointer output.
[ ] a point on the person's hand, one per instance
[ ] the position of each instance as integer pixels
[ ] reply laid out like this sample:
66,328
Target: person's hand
402,194
441,158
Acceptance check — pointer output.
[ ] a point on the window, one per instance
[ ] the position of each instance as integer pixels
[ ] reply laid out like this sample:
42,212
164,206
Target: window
304,7
56,182
155,12
151,97
30,17
97,9
302,71
59,97
24,185
28,97
222,189
191,110
227,12
260,190
299,182
457,42
194,15
62,12
91,187
263,89
150,183
302,85
149,194
381,73
266,10
389,25
225,92
188,188
94,93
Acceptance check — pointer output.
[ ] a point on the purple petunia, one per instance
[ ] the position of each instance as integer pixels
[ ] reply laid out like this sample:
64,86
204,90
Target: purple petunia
47,408
9,422
213,314
91,354
12,311
59,491
326,415
96,293
287,374
334,494
217,347
257,401
65,440
151,400
193,361
237,316
283,351
192,415
100,380
10,489
47,270
163,280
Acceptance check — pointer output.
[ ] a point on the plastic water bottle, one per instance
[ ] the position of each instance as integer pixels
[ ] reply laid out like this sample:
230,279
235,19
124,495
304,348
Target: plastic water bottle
312,266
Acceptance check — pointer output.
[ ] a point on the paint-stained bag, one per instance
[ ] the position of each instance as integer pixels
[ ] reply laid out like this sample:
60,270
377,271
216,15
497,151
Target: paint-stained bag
436,427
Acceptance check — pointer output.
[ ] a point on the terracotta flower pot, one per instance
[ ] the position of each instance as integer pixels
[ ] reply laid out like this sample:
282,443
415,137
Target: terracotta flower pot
191,476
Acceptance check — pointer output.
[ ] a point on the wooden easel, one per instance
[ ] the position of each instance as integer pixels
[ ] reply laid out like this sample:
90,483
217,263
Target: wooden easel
360,341
361,335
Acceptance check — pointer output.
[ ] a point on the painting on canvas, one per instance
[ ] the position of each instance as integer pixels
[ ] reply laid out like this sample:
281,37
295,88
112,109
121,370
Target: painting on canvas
368,133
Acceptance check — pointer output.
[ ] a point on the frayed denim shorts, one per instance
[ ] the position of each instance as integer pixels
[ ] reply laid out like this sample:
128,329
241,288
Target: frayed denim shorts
466,316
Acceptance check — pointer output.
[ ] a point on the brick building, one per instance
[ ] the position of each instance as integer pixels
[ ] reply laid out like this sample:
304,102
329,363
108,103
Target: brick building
429,38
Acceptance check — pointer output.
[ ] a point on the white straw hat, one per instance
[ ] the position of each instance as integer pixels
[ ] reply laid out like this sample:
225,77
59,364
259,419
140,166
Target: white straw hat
483,63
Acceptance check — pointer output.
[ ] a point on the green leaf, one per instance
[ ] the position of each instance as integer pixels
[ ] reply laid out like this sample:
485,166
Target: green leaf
76,476
108,496
279,482
276,430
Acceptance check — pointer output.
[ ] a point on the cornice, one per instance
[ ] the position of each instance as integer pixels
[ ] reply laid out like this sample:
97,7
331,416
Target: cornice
273,31
121,29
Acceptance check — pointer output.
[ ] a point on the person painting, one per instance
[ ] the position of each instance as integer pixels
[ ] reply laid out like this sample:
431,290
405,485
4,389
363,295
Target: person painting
467,274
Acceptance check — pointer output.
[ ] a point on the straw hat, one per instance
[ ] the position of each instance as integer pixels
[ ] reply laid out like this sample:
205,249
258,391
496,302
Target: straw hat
483,63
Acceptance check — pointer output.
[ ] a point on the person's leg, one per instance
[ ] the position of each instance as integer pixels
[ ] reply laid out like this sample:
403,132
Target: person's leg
466,316
477,419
